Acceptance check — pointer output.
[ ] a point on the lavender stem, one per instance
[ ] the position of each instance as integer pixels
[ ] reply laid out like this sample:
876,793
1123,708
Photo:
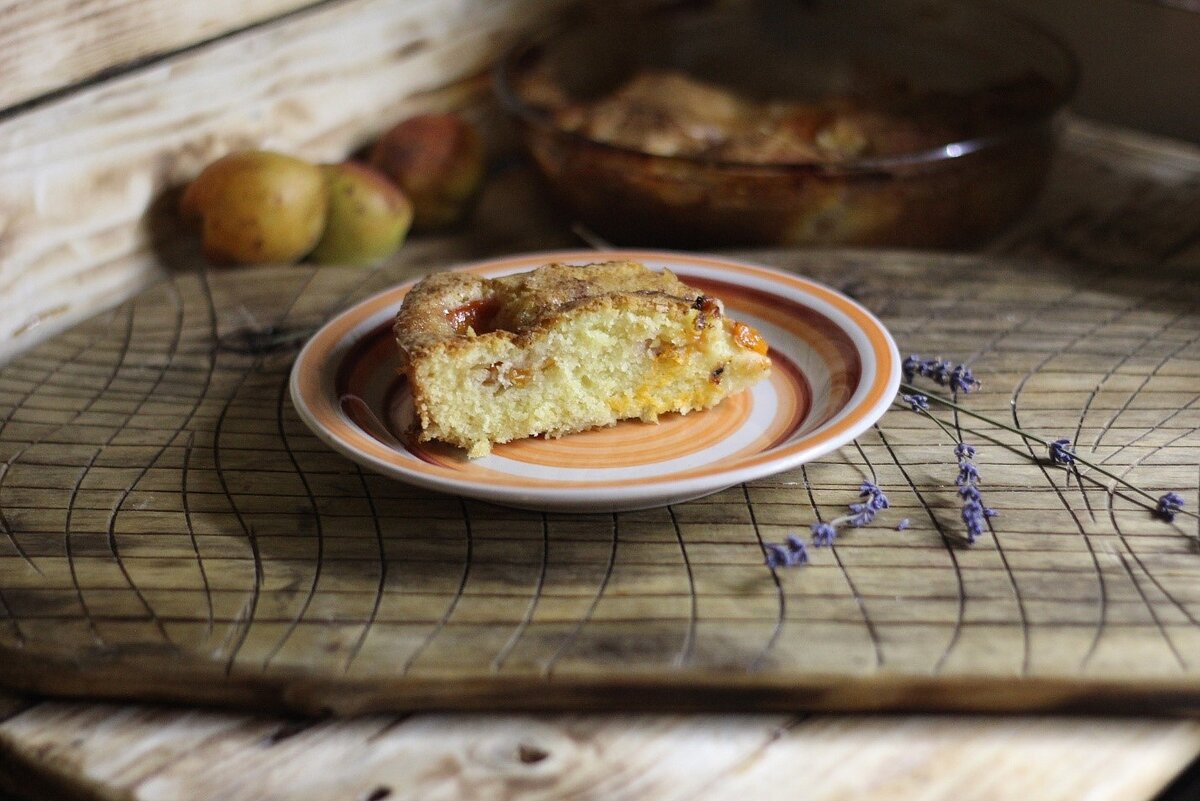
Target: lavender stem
1030,438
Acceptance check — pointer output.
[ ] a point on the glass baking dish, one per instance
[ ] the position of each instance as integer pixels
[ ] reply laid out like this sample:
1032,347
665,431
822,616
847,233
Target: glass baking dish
960,102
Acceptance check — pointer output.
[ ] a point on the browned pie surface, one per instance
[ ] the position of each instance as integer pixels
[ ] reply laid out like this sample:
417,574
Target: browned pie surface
444,305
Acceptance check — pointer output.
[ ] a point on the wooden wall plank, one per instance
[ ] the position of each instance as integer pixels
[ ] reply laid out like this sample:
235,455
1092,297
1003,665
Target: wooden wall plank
51,44
78,175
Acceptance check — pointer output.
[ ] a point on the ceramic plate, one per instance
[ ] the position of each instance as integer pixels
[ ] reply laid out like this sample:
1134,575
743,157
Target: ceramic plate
835,371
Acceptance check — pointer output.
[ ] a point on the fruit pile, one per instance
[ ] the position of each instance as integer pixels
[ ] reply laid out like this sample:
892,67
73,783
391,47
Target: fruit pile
262,207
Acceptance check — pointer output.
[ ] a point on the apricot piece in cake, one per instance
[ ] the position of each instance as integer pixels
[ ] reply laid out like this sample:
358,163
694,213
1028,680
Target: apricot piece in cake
562,349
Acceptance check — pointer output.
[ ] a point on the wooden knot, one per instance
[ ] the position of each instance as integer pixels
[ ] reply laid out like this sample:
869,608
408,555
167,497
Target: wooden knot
531,754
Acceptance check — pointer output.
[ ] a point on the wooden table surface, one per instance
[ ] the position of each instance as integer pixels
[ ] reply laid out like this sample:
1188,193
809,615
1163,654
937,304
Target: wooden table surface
1119,206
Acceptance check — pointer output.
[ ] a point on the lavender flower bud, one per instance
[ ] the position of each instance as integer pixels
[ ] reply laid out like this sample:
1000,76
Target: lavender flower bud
963,380
877,499
918,403
1060,452
975,518
910,367
1168,506
798,549
792,552
823,534
902,525
939,370
777,555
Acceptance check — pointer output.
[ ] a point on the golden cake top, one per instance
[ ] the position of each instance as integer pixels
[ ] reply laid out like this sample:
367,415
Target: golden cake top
452,305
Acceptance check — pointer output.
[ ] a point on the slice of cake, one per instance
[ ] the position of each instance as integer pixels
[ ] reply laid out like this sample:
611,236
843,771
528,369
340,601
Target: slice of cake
563,349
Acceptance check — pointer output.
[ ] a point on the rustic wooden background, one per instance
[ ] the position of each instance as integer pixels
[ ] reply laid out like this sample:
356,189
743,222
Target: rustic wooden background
171,530
1120,216
106,104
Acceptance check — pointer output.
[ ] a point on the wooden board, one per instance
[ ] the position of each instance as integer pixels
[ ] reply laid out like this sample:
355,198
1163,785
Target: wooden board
173,531
154,754
1116,199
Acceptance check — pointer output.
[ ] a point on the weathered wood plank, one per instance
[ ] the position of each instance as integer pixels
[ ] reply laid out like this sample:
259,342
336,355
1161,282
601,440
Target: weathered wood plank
77,176
47,46
154,754
284,578
1126,759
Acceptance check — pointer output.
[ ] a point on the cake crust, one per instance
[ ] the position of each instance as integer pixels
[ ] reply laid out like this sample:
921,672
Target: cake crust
440,309
565,348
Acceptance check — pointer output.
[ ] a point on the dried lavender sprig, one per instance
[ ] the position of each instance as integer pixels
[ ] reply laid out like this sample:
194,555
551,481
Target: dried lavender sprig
1044,443
942,371
974,514
862,513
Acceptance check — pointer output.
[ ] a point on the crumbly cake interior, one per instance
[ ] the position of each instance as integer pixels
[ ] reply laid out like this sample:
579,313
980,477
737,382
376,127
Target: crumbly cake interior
563,349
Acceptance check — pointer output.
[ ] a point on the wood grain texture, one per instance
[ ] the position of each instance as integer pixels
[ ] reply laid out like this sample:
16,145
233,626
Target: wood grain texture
1106,180
79,177
173,531
50,45
1115,199
154,754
